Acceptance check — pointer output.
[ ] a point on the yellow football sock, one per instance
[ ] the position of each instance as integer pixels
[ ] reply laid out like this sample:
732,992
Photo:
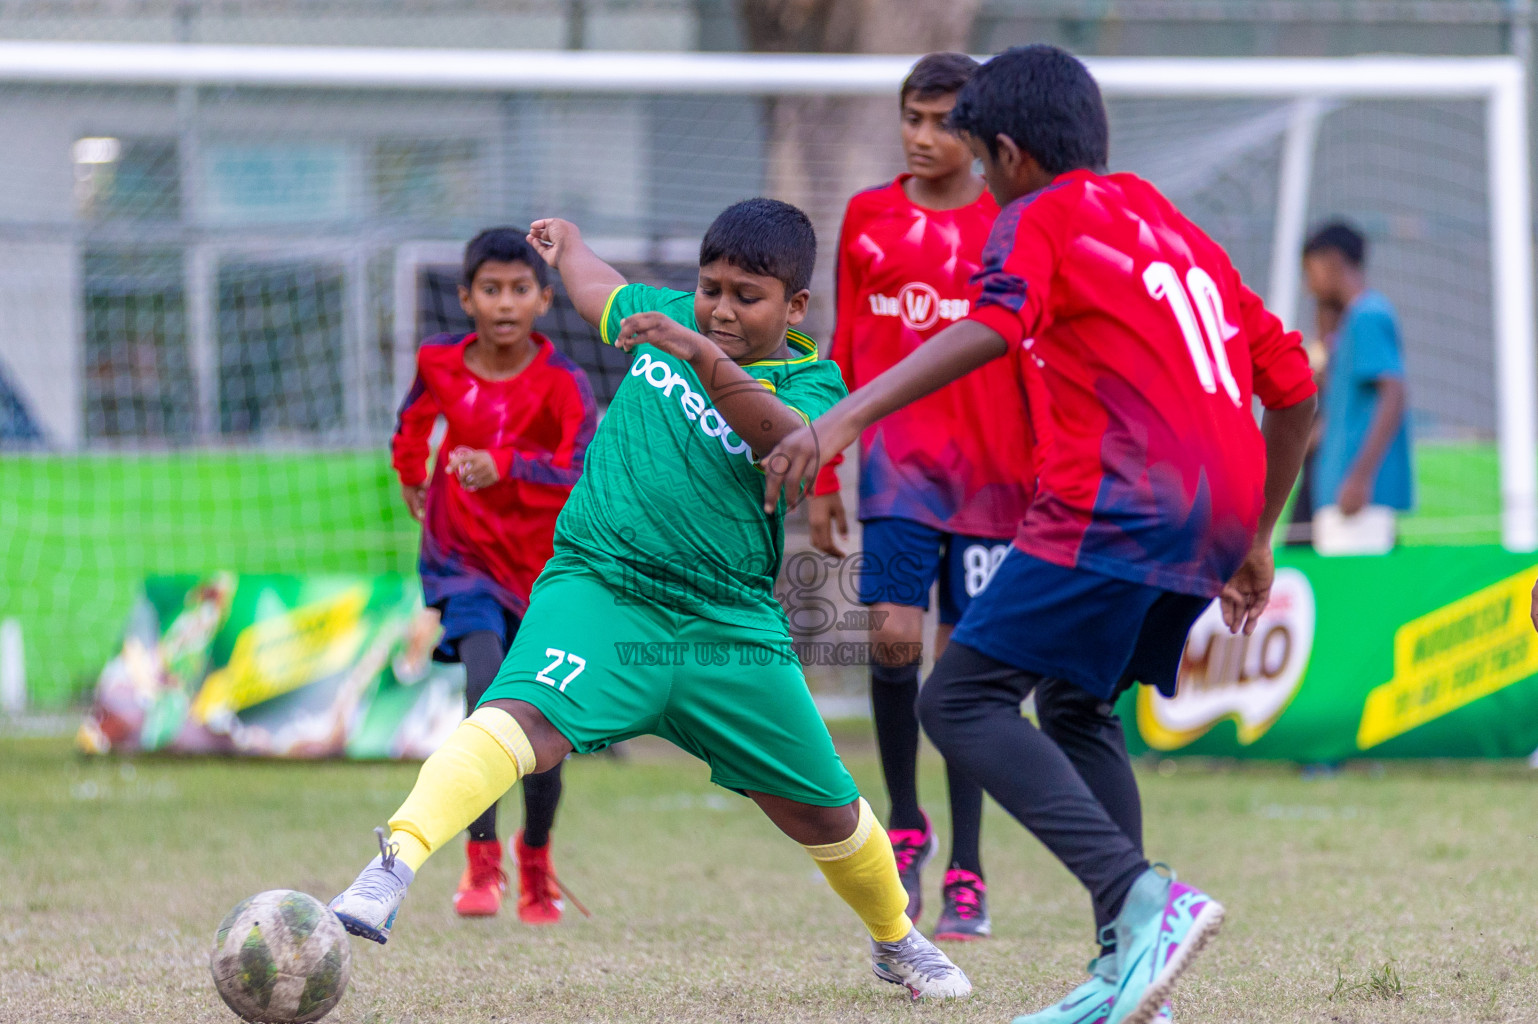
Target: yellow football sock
862,870
481,760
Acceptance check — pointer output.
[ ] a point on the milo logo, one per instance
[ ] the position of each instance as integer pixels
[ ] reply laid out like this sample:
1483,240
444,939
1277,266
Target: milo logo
697,409
1250,679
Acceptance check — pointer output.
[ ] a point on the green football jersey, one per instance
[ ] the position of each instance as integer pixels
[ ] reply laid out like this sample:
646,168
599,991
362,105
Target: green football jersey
670,504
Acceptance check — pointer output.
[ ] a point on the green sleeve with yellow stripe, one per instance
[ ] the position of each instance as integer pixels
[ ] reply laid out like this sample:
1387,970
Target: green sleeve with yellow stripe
643,298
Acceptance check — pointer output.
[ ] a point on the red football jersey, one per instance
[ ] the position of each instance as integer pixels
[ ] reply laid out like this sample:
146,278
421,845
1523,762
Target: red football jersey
536,425
957,460
1150,349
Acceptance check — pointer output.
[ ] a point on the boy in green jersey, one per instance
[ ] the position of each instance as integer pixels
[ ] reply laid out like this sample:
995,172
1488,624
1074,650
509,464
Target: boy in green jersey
656,613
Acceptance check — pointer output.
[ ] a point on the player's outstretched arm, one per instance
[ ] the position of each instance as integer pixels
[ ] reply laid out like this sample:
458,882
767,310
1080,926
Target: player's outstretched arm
1286,432
589,280
949,355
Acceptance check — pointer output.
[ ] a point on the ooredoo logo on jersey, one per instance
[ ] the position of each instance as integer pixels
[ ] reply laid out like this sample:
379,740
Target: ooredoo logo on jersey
696,407
920,306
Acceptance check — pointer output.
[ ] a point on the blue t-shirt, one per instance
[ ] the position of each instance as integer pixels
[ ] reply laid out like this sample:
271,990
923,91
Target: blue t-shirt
1366,350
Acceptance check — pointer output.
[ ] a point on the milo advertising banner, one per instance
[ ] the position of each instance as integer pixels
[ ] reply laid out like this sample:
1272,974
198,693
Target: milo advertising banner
1424,652
277,666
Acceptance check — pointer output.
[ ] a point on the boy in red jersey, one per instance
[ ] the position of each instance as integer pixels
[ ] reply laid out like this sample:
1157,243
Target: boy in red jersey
1156,492
943,482
520,416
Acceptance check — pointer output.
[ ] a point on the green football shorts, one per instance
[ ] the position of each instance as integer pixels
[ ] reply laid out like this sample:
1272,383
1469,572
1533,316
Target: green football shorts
605,667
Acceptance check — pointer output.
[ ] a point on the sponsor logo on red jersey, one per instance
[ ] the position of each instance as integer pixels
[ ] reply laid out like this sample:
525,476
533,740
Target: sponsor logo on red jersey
920,306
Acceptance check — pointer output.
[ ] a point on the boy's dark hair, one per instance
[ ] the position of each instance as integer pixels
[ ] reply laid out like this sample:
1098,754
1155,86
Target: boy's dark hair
764,236
1338,236
936,75
1042,97
503,245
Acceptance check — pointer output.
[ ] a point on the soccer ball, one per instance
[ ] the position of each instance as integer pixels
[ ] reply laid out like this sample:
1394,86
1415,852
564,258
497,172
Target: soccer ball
281,957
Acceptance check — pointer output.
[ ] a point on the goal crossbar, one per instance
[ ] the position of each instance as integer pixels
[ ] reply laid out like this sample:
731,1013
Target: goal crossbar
1497,82
824,74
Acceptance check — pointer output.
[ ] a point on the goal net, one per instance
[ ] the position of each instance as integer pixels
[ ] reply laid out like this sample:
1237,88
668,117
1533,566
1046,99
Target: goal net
216,264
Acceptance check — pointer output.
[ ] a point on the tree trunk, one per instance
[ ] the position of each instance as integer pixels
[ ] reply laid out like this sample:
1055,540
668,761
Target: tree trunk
823,149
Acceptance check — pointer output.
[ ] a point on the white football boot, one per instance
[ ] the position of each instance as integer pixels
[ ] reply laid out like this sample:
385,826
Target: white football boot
368,906
918,965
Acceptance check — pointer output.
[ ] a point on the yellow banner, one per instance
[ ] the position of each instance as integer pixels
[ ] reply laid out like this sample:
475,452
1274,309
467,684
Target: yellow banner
1452,657
285,652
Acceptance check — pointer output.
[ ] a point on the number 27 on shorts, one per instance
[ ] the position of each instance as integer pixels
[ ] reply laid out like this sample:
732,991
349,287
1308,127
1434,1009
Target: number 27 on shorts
557,658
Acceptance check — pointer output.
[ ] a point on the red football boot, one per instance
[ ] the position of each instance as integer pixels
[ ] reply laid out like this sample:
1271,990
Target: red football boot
483,883
539,897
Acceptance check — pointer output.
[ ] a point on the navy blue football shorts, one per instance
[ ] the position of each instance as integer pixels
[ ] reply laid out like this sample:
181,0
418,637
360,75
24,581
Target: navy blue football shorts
1095,631
901,560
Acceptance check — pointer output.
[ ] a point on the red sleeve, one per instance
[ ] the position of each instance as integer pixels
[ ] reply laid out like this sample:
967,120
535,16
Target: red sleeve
1282,375
845,298
413,429
578,414
1019,261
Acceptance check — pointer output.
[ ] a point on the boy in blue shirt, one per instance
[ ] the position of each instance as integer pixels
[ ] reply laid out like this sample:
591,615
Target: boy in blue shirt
1361,470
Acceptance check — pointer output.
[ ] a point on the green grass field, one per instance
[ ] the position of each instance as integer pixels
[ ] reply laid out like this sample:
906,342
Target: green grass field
79,533
114,874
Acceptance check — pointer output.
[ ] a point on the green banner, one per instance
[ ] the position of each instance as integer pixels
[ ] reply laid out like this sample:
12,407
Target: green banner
277,666
1424,652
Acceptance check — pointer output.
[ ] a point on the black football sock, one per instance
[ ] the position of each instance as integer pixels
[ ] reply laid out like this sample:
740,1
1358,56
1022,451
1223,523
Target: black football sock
966,821
481,653
484,828
541,796
893,692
